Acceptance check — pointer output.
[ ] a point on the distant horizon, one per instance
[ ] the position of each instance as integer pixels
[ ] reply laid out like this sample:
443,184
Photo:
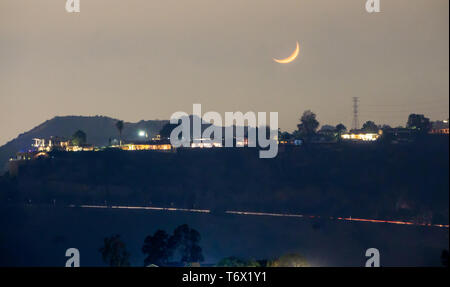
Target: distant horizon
135,122
135,59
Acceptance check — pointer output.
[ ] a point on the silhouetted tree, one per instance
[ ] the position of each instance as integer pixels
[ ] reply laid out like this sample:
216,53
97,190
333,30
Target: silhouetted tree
296,135
114,252
237,262
119,126
340,129
419,123
388,135
386,127
186,239
308,125
327,129
284,136
158,248
79,138
289,260
370,126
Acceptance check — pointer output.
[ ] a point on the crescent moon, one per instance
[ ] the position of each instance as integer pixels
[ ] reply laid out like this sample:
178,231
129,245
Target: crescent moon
291,58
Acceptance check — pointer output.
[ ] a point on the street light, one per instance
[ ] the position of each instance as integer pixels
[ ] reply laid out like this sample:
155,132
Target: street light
142,133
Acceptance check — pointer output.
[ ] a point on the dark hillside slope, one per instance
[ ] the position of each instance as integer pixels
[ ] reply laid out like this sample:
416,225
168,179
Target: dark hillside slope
372,181
98,129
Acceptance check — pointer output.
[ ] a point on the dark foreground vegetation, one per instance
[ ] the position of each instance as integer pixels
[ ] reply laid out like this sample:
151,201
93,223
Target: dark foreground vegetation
407,181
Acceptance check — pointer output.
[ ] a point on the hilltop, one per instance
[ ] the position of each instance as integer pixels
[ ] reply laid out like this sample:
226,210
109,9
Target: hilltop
99,130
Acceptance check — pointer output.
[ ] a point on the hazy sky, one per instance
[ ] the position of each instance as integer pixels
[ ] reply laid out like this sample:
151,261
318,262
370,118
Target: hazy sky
140,59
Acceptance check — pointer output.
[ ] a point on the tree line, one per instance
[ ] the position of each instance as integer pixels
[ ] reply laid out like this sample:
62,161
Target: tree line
159,248
306,129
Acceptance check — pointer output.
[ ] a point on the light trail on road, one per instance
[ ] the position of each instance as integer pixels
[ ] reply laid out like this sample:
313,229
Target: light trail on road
337,218
251,213
143,208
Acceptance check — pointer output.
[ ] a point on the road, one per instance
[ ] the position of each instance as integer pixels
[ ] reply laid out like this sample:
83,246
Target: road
250,213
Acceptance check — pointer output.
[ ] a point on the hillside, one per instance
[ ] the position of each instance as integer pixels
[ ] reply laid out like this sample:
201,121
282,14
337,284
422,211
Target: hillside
98,129
369,181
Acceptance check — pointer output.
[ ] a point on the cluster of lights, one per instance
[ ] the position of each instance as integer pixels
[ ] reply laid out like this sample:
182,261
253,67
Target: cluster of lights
146,147
363,137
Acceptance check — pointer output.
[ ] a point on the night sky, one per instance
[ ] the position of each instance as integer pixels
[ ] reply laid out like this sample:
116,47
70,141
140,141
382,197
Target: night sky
140,59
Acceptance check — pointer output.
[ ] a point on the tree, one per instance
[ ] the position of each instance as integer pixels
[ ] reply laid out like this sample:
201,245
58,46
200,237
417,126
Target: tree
387,134
186,239
370,127
119,126
79,138
419,123
386,128
296,135
158,248
340,128
284,136
114,252
166,130
308,125
289,260
327,130
237,262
